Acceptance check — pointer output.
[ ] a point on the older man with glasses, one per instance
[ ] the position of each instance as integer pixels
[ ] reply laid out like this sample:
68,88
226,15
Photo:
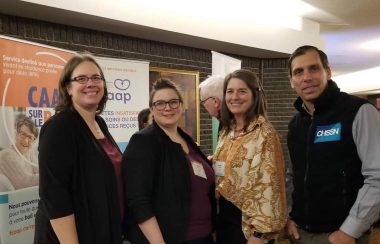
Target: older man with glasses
211,94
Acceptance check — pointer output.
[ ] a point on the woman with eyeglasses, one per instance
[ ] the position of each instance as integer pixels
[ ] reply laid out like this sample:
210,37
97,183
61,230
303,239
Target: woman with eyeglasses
81,189
169,183
18,164
249,166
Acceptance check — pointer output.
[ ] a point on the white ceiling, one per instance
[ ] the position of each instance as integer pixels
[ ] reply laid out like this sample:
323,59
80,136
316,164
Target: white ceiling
337,26
346,25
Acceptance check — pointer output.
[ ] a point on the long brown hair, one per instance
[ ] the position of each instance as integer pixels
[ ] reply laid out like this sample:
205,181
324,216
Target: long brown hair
258,106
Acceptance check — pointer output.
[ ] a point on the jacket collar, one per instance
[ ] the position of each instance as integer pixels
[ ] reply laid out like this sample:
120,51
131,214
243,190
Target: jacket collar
162,133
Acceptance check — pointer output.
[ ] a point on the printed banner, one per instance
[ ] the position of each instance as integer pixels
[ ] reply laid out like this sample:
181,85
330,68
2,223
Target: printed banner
128,93
20,206
29,76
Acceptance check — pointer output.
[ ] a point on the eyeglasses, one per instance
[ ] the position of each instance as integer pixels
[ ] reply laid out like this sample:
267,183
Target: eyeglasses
82,79
161,104
24,136
205,100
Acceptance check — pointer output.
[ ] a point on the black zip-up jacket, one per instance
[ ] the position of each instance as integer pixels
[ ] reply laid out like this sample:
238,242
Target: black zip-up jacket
158,184
326,167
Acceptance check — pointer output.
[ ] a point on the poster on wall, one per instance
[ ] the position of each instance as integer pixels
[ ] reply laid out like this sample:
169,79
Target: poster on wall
29,75
128,93
223,64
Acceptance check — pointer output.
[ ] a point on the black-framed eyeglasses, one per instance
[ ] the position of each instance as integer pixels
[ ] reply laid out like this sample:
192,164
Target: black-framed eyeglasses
82,79
205,100
161,104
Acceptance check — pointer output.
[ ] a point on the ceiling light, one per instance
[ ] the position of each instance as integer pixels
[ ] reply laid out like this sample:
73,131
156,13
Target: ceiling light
373,45
351,83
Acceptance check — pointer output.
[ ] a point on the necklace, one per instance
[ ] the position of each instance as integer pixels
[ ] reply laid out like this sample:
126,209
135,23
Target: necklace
97,129
238,130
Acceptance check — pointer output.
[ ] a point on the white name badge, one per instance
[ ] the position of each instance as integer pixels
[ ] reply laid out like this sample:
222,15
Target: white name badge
198,169
219,168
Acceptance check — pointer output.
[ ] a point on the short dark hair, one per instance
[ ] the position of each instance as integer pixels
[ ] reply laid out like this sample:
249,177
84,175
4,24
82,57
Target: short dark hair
65,101
28,122
142,117
259,104
163,83
302,50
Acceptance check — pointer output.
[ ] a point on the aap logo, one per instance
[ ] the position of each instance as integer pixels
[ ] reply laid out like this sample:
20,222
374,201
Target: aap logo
122,84
120,95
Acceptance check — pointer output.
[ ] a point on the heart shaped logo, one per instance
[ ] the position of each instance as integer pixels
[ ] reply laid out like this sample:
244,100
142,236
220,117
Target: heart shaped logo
122,84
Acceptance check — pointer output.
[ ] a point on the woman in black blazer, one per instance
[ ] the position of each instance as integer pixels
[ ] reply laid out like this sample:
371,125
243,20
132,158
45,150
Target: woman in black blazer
80,164
169,183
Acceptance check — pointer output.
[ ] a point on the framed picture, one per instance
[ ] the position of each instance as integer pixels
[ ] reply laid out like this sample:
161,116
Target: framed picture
187,83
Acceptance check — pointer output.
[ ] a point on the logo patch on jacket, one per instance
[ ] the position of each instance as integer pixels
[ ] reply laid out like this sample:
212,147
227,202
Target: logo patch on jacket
328,133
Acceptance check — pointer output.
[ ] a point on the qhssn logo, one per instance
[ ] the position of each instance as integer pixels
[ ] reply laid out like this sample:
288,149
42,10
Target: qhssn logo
328,133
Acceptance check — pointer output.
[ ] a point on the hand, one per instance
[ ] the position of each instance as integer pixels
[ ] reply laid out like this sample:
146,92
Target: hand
214,236
291,227
339,237
254,240
210,157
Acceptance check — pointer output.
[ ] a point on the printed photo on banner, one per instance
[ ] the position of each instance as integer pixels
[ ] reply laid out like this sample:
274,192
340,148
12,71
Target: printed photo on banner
18,159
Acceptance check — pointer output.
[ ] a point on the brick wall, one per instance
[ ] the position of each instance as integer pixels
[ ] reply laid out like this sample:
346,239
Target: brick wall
280,97
272,72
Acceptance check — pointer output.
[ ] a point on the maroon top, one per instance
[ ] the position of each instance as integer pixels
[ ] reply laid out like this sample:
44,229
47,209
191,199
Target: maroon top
200,215
116,159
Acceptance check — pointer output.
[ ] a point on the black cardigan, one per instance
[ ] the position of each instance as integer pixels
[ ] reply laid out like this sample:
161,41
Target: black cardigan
158,184
76,177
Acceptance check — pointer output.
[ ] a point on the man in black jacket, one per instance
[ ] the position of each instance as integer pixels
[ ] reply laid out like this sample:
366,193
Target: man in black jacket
334,146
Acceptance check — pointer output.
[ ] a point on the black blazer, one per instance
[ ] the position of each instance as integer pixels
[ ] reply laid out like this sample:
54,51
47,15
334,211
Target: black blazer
76,177
158,184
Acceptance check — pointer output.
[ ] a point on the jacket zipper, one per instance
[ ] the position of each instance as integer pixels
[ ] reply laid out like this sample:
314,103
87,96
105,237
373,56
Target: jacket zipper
306,177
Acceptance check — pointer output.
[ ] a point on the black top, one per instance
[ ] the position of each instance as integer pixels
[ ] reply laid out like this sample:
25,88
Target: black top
157,184
325,163
76,177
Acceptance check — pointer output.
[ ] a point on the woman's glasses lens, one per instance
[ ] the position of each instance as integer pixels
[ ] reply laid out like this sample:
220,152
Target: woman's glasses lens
84,79
161,104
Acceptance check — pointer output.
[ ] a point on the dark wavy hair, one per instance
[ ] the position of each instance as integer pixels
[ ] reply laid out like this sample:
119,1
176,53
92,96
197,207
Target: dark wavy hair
302,50
258,106
65,101
142,117
163,83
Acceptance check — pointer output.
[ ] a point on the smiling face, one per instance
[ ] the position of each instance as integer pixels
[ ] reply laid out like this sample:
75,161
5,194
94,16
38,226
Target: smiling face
88,95
167,117
309,77
239,98
24,139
